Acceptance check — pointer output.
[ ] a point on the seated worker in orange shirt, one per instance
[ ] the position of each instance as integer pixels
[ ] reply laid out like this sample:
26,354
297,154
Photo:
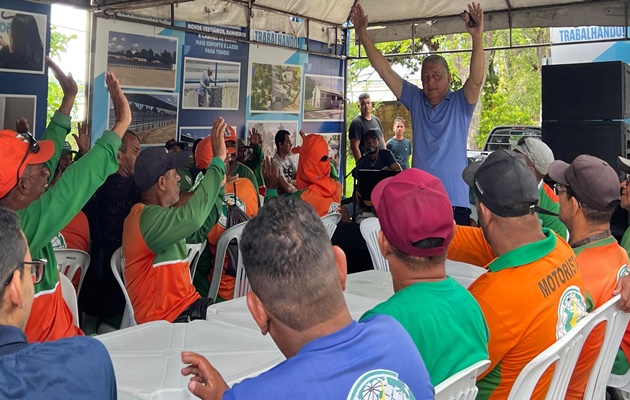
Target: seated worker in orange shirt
533,292
588,189
157,273
314,183
239,192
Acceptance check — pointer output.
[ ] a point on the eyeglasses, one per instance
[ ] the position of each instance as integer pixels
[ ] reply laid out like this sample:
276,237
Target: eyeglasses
557,189
33,147
37,270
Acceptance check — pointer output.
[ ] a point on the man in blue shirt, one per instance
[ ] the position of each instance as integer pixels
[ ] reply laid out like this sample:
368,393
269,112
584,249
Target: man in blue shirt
297,278
71,368
440,118
399,145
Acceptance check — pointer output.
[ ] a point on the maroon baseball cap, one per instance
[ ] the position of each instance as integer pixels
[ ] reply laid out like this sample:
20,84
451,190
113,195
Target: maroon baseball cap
592,180
411,207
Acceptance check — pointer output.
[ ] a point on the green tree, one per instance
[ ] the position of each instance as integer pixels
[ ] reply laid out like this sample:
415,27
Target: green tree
58,48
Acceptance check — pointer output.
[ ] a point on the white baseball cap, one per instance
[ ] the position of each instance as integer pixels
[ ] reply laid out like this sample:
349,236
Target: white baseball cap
537,151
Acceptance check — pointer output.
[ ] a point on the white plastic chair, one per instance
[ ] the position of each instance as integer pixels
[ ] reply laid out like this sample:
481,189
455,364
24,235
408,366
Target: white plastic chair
193,251
69,261
241,286
330,222
616,324
118,266
462,385
564,353
370,227
70,297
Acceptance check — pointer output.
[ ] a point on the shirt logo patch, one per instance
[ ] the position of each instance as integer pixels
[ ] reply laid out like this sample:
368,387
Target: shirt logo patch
571,308
334,208
623,271
58,242
380,384
228,200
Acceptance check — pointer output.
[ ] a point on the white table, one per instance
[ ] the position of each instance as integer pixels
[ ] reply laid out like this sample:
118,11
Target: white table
147,357
378,284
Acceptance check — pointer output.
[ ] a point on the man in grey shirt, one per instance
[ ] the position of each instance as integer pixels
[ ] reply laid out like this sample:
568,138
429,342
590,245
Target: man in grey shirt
398,145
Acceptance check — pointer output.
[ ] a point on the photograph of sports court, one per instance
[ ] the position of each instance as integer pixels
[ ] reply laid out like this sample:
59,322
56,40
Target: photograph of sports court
211,84
153,116
140,61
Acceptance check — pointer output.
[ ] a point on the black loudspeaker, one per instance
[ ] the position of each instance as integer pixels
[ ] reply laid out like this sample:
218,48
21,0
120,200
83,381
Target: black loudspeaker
586,91
603,139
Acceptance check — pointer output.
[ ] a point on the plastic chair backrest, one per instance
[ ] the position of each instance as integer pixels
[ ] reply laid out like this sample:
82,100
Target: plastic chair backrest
462,385
70,297
370,228
330,222
616,323
118,265
71,260
241,286
564,353
193,251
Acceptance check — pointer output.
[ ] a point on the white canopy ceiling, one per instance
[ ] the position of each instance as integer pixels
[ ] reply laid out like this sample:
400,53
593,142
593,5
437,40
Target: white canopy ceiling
390,20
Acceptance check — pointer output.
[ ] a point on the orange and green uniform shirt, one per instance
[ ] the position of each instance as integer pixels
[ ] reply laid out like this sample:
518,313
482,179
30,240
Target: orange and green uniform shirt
247,200
157,274
50,318
601,263
75,235
530,297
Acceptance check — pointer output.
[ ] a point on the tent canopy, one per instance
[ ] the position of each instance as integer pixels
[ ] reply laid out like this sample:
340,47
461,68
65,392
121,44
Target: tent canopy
389,20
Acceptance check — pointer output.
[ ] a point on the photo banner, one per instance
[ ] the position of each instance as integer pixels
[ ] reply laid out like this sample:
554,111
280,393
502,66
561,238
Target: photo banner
25,25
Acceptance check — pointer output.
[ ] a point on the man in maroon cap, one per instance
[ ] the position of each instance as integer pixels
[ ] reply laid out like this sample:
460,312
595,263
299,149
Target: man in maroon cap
434,309
24,175
588,190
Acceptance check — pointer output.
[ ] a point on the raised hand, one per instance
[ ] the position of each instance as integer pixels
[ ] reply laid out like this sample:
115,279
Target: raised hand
475,11
216,138
21,125
206,382
358,18
271,173
255,137
83,138
121,105
68,85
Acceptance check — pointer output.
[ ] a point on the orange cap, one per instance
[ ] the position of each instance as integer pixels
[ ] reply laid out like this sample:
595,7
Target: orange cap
203,153
230,136
12,152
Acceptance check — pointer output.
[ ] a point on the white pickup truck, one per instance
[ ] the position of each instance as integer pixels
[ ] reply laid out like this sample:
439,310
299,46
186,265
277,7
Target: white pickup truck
499,138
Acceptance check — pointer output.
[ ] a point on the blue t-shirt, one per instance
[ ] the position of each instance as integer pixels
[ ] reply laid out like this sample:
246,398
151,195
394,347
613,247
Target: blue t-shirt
439,138
72,368
375,356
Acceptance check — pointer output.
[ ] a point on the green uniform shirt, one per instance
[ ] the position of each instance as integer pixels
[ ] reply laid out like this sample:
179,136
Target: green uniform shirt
255,164
445,322
548,203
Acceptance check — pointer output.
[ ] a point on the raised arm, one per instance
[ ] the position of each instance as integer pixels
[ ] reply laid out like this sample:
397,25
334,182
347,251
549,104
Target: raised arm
472,87
121,105
380,64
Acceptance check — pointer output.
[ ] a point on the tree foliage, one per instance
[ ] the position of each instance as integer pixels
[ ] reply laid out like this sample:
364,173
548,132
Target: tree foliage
512,91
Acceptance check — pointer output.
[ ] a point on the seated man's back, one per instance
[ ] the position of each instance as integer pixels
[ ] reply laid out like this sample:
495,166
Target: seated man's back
533,293
441,316
374,356
71,368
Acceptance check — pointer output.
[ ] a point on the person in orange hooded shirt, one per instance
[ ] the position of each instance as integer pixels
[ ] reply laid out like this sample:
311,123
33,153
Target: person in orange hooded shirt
314,184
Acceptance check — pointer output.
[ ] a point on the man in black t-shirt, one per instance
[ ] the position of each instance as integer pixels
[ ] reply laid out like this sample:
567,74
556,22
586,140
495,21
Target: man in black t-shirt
376,158
361,124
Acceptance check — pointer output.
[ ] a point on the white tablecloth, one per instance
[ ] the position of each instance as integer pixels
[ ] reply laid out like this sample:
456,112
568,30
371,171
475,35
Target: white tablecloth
147,358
